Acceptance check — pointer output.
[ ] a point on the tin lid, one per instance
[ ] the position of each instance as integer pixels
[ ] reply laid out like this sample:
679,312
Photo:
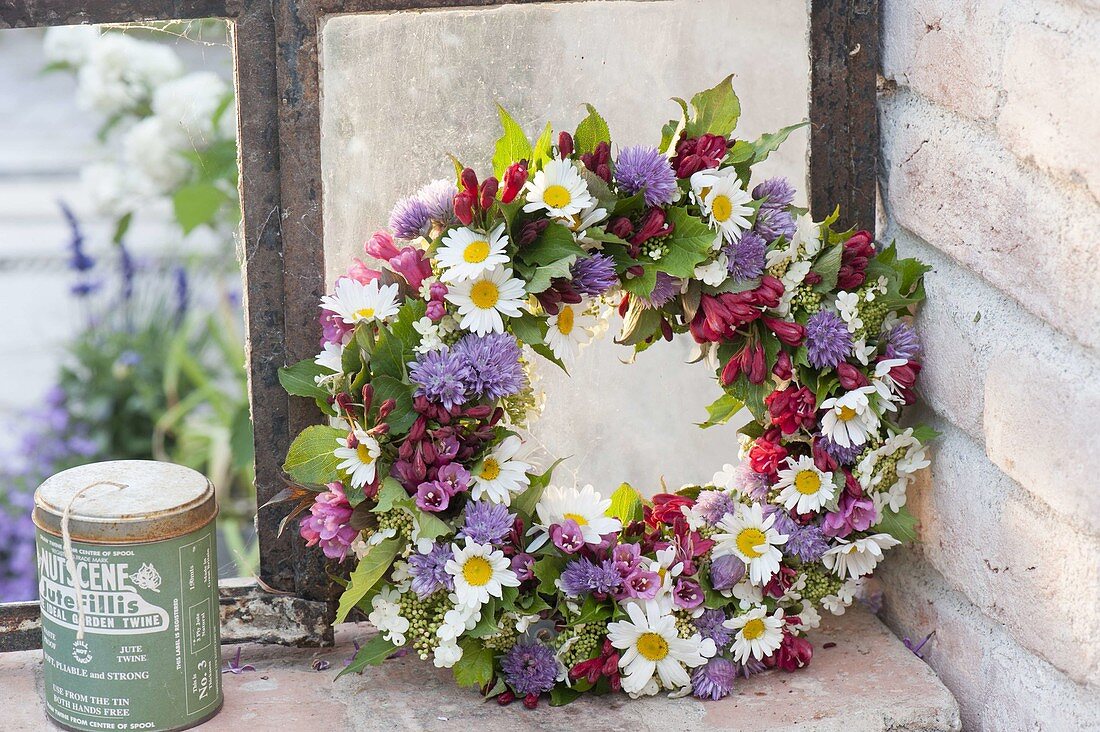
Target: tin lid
123,501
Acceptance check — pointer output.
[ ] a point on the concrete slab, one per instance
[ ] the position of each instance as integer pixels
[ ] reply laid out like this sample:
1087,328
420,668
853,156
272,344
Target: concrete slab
862,679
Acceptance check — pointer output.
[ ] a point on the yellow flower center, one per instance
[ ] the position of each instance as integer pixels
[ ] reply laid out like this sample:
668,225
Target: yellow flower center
721,208
652,646
556,196
476,251
807,482
581,520
363,453
364,313
565,320
484,294
748,540
846,414
490,469
477,571
753,629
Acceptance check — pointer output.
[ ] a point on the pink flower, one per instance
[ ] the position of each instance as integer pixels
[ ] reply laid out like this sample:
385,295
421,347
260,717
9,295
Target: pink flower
643,584
687,594
381,246
329,523
411,264
567,536
361,273
852,514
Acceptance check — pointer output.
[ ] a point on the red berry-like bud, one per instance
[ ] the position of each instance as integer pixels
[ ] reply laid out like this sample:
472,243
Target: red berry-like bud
851,377
565,145
488,193
464,207
514,178
783,368
469,180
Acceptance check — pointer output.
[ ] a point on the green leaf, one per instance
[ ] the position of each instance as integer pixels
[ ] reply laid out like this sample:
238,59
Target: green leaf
592,611
488,625
475,668
368,572
310,459
554,244
626,504
924,433
639,324
591,131
674,129
300,379
547,570
540,280
715,110
390,492
643,284
197,204
431,527
901,525
389,356
525,502
828,266
512,146
122,226
403,415
769,142
372,653
529,328
751,395
543,151
721,410
688,246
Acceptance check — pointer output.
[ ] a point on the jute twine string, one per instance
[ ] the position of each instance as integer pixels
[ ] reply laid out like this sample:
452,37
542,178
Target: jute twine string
70,560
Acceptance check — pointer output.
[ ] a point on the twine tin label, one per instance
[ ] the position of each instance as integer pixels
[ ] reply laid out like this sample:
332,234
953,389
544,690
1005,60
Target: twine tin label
130,630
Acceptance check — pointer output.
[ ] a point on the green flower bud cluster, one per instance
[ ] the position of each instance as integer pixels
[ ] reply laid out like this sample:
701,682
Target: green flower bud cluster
398,520
519,406
588,644
506,638
887,468
424,616
806,299
684,626
819,583
872,314
655,248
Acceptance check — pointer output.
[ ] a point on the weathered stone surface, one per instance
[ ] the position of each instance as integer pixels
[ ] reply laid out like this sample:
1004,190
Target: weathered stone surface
1011,555
947,50
1049,116
867,682
1000,685
954,185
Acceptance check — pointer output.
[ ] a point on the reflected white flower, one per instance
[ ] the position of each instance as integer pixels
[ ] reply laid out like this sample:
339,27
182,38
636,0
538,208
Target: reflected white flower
121,73
70,44
190,102
153,150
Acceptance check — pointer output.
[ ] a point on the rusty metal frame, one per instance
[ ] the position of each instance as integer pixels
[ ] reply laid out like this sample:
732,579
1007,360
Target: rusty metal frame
278,87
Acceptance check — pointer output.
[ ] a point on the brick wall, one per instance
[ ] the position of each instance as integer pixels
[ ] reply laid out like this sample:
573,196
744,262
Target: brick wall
990,117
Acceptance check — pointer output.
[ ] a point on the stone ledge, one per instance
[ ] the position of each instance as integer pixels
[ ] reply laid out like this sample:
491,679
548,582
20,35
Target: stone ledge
867,682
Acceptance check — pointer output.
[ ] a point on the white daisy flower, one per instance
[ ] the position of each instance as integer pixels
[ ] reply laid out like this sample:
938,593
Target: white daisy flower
355,302
650,644
589,217
723,201
500,476
803,488
358,462
749,536
568,331
887,389
331,358
849,420
466,253
559,189
584,506
480,572
859,557
482,300
758,634
386,616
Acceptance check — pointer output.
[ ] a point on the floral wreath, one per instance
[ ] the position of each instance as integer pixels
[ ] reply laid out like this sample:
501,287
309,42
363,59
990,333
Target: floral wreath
467,555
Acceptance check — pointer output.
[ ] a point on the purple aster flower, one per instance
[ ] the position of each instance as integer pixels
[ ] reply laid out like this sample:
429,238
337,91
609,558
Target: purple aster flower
595,275
713,505
429,571
487,522
714,679
439,197
666,288
709,625
751,483
329,523
644,169
843,455
777,191
808,543
583,576
828,341
745,256
441,377
726,571
772,223
902,342
530,668
492,367
410,218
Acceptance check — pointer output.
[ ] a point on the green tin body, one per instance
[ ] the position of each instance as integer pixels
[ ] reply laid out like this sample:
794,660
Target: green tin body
148,657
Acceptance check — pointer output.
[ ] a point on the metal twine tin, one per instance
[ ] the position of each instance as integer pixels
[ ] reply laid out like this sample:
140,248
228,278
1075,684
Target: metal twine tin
128,581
